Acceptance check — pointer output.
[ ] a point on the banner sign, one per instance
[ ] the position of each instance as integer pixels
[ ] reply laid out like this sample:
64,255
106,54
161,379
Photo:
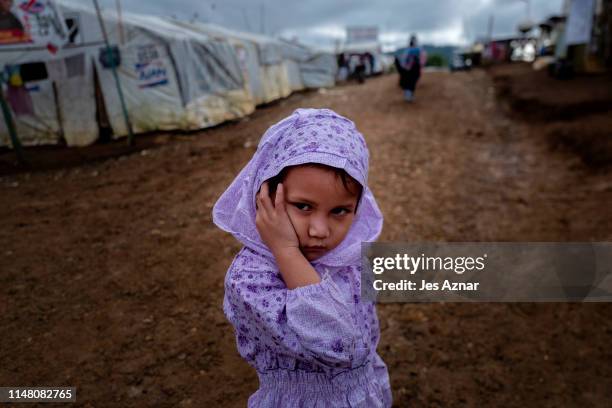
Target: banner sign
361,34
150,67
31,24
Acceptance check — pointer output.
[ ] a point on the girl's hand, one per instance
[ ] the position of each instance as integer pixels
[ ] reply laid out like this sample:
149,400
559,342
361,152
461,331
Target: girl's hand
272,221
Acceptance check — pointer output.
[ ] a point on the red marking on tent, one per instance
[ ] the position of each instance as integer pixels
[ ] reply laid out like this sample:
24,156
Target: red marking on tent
32,6
52,48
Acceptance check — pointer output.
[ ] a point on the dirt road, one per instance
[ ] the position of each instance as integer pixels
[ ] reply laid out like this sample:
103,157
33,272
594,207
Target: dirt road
112,272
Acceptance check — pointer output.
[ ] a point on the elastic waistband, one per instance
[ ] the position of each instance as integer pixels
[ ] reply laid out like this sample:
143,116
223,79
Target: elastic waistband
304,381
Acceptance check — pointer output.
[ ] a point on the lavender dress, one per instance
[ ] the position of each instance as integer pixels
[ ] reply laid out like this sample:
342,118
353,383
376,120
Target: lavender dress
312,346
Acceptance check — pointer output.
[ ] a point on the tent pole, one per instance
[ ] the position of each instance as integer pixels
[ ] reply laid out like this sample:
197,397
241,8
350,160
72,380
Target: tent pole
114,69
8,119
58,112
121,35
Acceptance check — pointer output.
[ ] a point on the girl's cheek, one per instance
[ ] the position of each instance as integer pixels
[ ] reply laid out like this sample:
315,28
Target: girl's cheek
294,217
346,225
300,225
291,211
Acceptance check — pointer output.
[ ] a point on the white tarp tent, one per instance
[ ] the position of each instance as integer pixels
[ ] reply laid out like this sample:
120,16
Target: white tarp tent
268,75
174,75
317,68
172,78
34,32
275,68
59,106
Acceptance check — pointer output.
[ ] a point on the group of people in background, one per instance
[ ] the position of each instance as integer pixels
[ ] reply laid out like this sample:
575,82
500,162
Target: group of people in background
355,65
408,63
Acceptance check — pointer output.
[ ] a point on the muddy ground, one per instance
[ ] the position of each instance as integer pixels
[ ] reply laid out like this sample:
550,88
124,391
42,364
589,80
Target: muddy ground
112,272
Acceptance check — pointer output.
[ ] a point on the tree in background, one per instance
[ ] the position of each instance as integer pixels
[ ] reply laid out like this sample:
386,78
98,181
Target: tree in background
436,60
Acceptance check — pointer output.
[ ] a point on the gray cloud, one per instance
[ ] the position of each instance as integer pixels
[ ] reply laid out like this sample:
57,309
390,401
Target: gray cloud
438,21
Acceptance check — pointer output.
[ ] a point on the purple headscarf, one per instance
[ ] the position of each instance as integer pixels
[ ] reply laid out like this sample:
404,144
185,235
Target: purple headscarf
307,136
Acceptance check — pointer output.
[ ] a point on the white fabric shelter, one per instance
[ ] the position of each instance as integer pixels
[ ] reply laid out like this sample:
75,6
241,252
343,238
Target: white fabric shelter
174,75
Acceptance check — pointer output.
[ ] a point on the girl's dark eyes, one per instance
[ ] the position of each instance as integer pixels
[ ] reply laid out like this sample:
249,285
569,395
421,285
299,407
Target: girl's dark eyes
302,206
308,207
340,211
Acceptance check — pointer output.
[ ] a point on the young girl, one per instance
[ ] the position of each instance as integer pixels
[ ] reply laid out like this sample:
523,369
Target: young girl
302,207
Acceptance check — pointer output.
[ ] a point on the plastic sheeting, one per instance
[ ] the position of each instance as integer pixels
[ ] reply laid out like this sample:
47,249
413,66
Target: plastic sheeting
175,78
268,76
319,71
73,118
303,67
174,75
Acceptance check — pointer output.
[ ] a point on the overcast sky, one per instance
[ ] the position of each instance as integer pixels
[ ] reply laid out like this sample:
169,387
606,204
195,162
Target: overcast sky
439,22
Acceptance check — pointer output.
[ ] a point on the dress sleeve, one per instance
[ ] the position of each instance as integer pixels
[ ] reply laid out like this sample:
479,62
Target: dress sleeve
311,323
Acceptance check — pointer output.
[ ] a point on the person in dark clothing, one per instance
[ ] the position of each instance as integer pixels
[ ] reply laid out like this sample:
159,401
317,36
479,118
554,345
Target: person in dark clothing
408,64
370,60
343,67
360,69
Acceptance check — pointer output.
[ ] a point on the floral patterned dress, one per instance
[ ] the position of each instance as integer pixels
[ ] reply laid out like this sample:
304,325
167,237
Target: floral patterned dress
312,346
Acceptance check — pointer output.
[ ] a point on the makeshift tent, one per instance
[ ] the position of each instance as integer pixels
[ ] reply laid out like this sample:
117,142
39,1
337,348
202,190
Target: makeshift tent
32,96
267,75
172,78
247,52
317,68
174,75
274,68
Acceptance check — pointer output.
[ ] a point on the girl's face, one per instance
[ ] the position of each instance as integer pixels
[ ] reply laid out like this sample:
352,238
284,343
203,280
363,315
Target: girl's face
320,207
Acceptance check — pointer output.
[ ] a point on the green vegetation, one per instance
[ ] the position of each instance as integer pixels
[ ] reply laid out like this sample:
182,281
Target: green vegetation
444,51
436,60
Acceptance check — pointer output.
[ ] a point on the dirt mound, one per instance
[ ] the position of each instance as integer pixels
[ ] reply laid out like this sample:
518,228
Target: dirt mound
575,115
591,139
534,95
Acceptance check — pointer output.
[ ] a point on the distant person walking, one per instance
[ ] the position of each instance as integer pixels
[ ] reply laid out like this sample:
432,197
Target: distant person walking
408,62
343,67
360,68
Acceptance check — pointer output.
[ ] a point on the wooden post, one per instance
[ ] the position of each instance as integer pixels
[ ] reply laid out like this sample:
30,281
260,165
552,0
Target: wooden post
10,125
58,112
126,116
120,22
